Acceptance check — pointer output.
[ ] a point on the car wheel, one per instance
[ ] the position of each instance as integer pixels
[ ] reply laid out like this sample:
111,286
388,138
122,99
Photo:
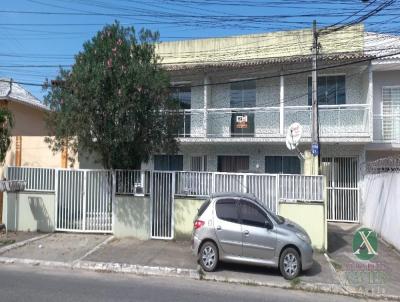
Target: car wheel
290,263
208,256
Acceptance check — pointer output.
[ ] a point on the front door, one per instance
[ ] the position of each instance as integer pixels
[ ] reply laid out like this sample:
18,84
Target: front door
259,242
227,226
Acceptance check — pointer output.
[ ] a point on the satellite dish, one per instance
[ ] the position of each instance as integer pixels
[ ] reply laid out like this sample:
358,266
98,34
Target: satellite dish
293,136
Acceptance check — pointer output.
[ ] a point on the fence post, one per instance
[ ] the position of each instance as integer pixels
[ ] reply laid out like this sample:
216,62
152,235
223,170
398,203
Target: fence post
84,200
113,193
173,205
142,179
212,182
277,194
245,183
56,188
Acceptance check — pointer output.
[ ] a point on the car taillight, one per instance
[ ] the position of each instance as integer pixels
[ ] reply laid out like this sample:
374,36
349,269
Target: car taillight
198,224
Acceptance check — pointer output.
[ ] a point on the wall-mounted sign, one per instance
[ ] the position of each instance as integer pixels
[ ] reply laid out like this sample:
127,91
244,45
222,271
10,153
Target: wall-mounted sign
241,122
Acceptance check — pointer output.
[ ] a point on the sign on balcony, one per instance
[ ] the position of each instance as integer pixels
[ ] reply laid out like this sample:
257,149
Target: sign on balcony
241,122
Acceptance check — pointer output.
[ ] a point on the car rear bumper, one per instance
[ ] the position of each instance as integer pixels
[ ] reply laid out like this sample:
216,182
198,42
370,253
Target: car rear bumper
195,245
307,260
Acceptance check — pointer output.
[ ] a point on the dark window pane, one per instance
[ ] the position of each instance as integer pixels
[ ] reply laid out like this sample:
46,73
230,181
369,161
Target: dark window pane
321,90
233,163
251,215
168,162
243,94
226,210
331,91
273,164
183,95
341,90
282,165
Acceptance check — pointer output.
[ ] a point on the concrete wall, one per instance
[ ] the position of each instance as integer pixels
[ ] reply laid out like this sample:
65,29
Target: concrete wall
185,211
131,216
312,217
29,211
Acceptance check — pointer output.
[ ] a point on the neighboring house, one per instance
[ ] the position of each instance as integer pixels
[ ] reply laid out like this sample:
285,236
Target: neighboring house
236,108
28,147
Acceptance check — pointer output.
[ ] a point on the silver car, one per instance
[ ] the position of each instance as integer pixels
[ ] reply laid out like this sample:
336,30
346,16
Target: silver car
236,227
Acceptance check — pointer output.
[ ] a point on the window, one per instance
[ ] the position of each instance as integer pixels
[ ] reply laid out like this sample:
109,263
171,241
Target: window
243,94
168,162
331,90
183,95
233,163
252,215
391,113
198,163
282,164
226,209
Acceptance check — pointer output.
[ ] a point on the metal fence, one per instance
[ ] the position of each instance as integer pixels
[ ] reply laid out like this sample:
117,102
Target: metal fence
37,179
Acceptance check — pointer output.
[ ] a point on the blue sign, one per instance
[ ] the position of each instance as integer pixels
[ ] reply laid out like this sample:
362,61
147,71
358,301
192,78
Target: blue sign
315,149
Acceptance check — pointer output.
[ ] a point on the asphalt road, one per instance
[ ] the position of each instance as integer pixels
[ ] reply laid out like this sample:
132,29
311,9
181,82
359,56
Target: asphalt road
36,284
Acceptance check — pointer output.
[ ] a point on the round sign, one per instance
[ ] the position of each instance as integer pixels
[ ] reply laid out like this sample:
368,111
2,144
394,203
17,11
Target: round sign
365,244
293,135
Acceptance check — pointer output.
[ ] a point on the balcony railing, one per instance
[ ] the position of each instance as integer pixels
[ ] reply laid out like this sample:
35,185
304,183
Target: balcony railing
387,128
350,120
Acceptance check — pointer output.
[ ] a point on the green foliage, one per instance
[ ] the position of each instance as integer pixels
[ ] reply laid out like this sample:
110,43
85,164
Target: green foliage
113,101
6,122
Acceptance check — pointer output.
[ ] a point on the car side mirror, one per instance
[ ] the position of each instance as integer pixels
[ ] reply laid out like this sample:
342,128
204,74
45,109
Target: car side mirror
268,225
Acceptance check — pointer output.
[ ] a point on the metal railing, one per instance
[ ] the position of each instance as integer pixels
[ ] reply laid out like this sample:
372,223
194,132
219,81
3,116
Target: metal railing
37,179
347,120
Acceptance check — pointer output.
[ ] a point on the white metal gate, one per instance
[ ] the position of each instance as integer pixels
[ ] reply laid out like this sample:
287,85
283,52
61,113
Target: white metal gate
162,204
342,184
84,200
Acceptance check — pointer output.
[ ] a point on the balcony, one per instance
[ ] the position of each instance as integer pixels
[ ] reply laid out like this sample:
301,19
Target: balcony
348,122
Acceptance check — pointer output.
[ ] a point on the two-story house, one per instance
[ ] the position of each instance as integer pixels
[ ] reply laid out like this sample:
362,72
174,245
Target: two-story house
239,95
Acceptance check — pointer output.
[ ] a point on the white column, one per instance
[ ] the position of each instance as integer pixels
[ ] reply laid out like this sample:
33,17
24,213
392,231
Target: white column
206,99
370,102
282,105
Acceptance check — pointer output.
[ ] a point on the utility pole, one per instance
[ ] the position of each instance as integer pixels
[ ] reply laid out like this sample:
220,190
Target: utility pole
315,148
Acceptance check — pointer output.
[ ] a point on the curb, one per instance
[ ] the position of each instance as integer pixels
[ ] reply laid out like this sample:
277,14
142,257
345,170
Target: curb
142,270
22,243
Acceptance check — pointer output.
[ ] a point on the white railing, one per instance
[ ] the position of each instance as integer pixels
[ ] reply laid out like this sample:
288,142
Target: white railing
387,128
127,180
347,120
37,179
301,187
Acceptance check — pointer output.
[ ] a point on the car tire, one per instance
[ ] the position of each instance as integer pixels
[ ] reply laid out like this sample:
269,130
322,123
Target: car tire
208,256
290,263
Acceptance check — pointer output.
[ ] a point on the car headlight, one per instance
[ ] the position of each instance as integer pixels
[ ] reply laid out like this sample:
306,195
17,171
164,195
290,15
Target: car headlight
304,237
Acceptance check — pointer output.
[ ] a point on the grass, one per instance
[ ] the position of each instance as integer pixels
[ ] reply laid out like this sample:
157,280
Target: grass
7,241
295,282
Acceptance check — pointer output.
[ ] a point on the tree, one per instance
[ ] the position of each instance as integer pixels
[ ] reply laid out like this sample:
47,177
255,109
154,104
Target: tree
6,122
114,102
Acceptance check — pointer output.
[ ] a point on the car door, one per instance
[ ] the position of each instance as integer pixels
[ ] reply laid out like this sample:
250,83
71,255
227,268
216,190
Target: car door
227,226
259,242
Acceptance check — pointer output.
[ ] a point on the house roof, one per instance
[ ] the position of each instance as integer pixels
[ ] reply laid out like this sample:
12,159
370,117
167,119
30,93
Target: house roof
14,92
377,44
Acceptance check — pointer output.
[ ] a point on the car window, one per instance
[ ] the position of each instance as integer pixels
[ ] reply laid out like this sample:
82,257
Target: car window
251,214
226,210
203,207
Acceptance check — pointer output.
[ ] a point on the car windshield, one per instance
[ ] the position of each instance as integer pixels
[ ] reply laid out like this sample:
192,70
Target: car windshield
278,219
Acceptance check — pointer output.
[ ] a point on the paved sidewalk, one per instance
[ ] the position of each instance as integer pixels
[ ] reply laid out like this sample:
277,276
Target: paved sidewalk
384,277
14,237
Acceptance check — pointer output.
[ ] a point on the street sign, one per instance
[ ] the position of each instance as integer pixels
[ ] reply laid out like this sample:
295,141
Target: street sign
315,149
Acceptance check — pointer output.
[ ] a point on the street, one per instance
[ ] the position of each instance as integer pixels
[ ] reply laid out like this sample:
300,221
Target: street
35,284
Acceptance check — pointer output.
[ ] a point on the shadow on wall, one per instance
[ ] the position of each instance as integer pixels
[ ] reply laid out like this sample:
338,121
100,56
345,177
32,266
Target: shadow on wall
133,215
185,212
40,214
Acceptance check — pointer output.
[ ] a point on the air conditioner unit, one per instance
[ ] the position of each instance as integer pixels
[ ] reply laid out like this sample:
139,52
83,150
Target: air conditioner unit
139,190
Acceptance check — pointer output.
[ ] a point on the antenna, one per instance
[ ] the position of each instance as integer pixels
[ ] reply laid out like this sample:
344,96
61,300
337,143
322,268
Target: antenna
293,137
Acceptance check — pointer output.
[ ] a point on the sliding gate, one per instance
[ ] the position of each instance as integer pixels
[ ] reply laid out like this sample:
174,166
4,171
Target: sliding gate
84,201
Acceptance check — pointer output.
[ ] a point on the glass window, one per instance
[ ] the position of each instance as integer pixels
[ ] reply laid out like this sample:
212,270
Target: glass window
252,215
183,95
243,94
198,163
168,162
331,90
233,163
227,210
282,165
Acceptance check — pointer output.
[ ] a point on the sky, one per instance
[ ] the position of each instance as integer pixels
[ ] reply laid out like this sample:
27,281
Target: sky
38,33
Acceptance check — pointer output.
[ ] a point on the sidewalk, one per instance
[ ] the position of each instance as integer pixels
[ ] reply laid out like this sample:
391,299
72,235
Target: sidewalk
13,237
104,253
385,279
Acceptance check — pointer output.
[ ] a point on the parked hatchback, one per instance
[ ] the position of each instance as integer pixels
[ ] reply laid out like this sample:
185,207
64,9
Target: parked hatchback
236,227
